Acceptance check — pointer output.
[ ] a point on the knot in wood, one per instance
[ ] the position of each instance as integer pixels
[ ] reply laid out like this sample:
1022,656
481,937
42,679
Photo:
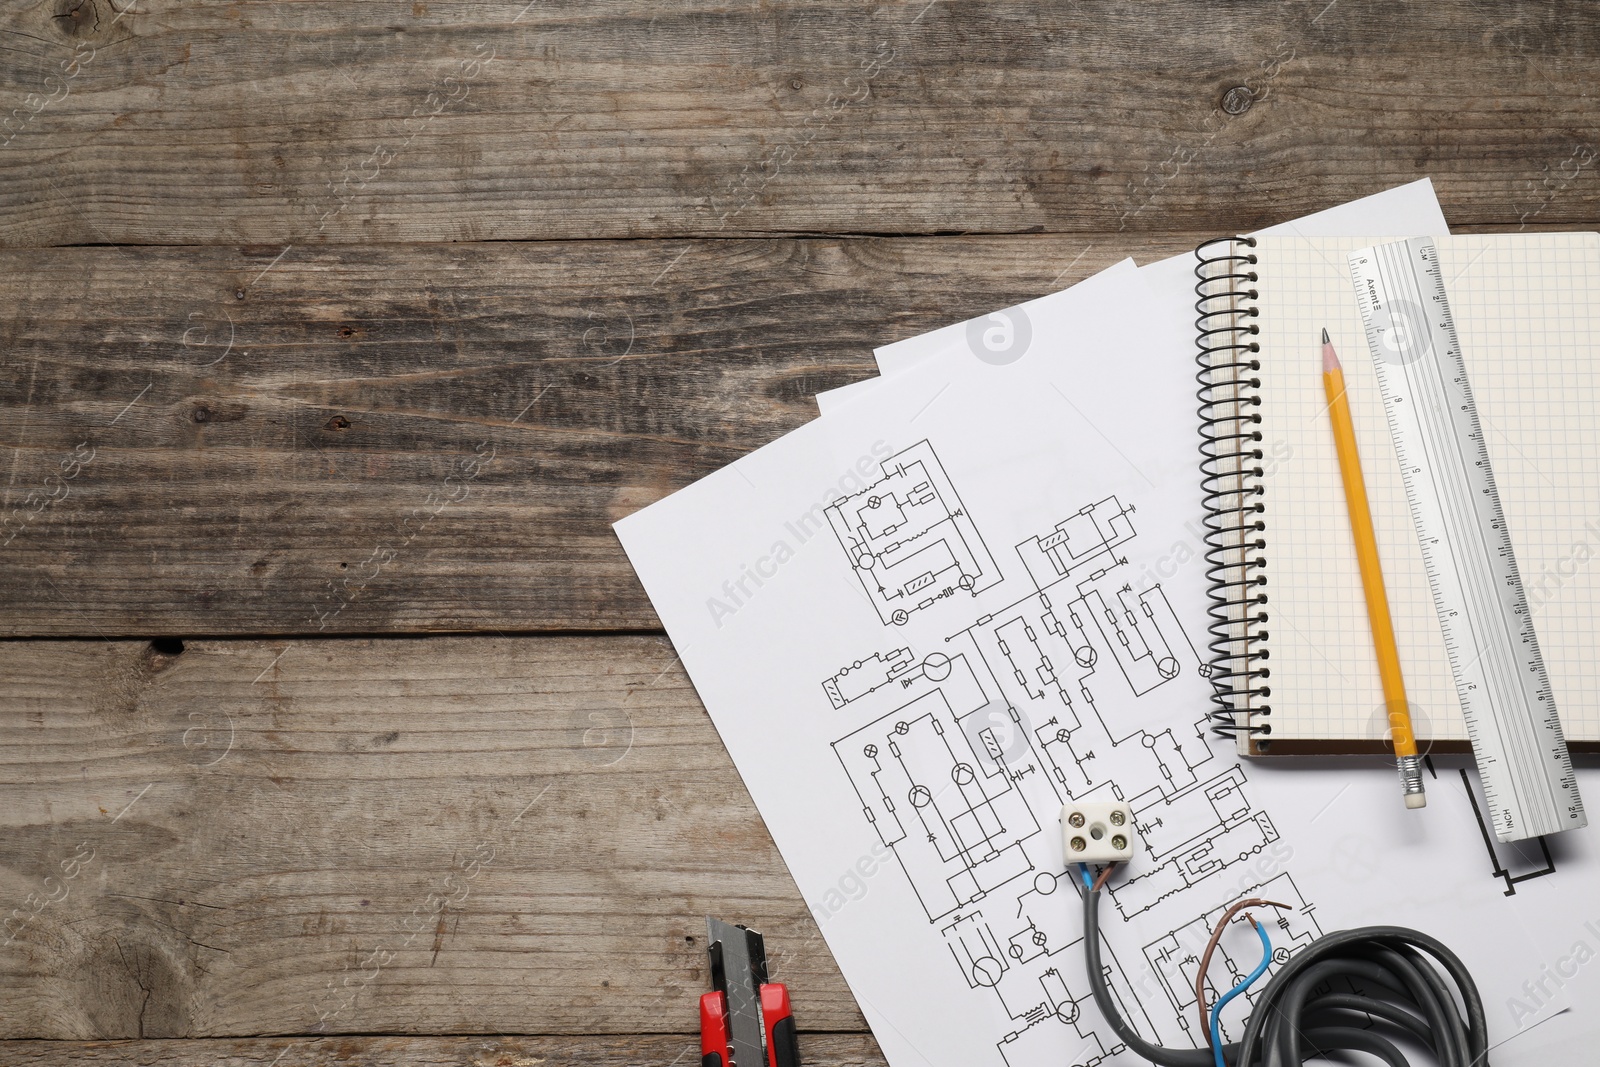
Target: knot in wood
201,410
76,18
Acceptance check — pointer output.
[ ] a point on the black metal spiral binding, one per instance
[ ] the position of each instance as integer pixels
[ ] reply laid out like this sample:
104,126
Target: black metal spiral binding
1229,467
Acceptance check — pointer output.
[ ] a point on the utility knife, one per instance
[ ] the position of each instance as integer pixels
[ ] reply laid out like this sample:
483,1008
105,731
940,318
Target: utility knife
745,1020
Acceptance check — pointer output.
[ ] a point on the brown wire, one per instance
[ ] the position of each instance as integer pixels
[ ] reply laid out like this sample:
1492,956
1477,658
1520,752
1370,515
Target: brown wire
1105,874
1211,946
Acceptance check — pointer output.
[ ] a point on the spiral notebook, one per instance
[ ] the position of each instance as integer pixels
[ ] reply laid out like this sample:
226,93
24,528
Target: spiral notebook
1291,652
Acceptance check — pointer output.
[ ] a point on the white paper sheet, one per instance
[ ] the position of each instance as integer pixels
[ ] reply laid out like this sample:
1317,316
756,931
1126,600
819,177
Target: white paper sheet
1404,211
1419,872
923,621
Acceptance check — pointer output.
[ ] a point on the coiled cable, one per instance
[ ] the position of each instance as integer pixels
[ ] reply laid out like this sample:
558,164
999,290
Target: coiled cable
1301,1014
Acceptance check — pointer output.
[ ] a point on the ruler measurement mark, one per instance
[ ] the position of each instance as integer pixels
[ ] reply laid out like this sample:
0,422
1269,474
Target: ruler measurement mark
1472,572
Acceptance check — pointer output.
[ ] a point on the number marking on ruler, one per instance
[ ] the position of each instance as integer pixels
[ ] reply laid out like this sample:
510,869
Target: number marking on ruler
1466,547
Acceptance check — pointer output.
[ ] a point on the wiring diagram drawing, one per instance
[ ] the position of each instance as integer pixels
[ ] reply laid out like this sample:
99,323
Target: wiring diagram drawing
961,753
911,542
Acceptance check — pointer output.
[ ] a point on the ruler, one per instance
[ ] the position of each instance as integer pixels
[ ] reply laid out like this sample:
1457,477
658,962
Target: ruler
1466,548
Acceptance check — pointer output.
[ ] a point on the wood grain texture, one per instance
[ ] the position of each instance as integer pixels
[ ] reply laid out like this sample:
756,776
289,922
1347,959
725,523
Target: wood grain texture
392,439
638,1050
434,836
221,122
311,411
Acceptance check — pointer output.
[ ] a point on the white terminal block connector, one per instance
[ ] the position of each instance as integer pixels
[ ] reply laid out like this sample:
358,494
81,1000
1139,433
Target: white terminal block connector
1097,832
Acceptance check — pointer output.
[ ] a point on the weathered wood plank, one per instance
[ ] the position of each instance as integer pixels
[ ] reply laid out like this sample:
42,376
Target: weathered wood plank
218,122
818,1050
389,439
441,835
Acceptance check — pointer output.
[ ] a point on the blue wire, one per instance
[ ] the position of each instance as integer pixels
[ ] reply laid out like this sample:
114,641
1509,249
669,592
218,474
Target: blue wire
1216,1011
1083,869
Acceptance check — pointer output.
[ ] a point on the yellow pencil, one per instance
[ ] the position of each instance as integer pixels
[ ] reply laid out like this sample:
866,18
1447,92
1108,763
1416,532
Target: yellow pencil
1355,495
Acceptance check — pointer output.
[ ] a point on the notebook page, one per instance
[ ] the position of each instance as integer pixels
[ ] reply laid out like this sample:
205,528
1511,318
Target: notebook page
1324,676
1527,321
1538,394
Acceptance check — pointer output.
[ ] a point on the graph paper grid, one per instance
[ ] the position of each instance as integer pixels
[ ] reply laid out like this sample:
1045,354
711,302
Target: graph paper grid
1527,312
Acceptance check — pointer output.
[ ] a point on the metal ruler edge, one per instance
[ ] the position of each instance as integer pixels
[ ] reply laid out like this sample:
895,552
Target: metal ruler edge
1478,596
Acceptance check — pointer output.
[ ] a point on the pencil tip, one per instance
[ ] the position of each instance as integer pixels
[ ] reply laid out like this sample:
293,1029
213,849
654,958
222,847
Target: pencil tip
1325,339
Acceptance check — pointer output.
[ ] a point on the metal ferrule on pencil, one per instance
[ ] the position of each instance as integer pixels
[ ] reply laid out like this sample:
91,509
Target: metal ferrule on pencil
1411,778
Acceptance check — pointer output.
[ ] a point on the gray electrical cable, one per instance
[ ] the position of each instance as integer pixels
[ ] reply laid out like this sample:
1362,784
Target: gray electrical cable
1299,1015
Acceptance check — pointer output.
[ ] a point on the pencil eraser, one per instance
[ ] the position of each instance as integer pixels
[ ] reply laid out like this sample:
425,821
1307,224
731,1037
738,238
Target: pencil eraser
1097,832
1416,800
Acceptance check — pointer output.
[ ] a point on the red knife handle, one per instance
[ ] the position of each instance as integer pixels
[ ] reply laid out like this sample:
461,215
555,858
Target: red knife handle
713,1030
783,1046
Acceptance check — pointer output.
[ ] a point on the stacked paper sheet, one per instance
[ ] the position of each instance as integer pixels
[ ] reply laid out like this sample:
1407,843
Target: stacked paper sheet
973,590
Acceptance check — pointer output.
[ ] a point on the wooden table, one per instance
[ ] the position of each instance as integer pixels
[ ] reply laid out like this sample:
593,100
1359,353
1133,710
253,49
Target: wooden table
334,725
